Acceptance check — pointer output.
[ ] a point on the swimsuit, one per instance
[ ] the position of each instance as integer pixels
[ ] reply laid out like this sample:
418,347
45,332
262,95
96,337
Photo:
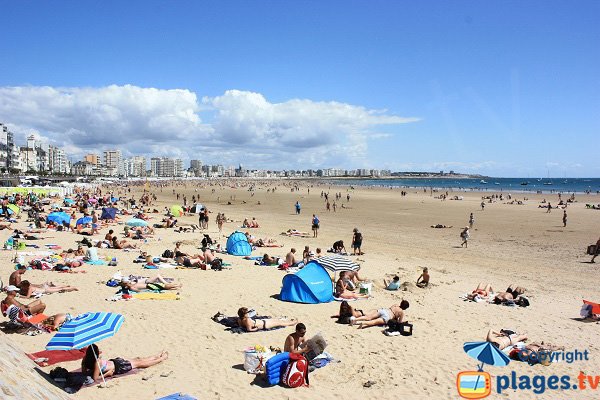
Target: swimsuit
385,314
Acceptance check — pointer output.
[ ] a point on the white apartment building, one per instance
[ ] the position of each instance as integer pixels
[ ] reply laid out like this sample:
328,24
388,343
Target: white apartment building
137,166
166,167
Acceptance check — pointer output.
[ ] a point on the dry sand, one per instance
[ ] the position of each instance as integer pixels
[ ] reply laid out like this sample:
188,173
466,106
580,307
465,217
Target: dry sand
519,244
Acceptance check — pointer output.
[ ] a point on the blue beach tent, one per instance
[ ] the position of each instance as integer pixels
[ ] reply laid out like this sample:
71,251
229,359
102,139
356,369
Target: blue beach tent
108,213
237,244
311,285
58,217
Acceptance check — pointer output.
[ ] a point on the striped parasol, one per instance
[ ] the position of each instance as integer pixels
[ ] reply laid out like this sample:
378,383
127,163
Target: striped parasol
337,263
84,330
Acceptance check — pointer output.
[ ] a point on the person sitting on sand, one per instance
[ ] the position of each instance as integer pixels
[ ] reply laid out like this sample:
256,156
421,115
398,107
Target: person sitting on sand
80,252
381,316
92,364
423,280
296,342
394,284
347,311
290,258
11,309
343,292
15,278
253,325
481,292
156,283
33,308
504,339
27,290
177,251
597,251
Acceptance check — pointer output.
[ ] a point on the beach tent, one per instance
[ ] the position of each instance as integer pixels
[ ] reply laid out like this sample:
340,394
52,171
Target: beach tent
109,213
311,285
58,217
176,211
237,244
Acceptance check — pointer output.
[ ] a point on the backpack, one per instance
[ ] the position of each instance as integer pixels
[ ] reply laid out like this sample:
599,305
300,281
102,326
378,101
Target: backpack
168,254
296,372
216,264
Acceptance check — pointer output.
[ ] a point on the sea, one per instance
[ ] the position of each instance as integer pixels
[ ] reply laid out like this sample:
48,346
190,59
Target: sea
488,184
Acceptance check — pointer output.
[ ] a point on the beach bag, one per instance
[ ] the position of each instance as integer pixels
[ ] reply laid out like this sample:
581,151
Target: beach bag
395,326
365,287
168,254
296,372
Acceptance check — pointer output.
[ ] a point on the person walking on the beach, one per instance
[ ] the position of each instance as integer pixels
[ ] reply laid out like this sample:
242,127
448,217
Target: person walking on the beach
464,235
549,208
482,205
298,207
315,225
597,252
356,242
471,221
565,219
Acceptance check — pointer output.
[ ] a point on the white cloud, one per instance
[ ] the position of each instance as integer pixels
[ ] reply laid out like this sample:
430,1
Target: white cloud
245,126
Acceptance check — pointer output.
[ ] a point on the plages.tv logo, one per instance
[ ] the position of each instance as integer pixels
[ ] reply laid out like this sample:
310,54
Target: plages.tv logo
478,384
474,384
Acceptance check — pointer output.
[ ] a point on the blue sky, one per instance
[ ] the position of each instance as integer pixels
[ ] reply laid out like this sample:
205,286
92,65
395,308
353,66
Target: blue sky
505,88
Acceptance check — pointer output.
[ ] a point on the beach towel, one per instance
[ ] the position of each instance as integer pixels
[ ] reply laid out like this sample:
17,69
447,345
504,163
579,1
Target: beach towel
178,396
156,296
159,266
97,262
51,357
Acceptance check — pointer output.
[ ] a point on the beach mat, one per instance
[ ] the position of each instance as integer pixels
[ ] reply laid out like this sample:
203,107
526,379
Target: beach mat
156,296
56,356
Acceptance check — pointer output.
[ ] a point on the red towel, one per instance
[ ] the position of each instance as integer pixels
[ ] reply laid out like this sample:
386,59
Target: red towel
57,356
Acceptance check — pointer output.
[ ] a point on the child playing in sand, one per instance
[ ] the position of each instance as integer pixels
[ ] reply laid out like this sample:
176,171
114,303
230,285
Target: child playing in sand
423,280
392,285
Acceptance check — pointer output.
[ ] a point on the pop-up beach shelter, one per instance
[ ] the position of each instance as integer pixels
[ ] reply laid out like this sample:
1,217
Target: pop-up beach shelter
311,285
237,244
108,213
58,217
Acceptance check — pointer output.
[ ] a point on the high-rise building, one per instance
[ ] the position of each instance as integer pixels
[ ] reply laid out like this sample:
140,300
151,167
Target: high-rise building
93,159
166,167
112,158
137,166
57,160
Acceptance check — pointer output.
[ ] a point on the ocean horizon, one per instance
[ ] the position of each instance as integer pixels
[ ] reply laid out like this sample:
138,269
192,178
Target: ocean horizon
487,184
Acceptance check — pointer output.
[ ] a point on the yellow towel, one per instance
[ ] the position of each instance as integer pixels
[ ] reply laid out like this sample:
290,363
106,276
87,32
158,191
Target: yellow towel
156,296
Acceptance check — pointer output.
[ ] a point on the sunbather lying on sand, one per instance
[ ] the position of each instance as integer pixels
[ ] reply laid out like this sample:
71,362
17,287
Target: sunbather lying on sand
252,325
156,283
93,363
294,232
194,261
381,316
481,292
27,290
347,311
439,226
503,339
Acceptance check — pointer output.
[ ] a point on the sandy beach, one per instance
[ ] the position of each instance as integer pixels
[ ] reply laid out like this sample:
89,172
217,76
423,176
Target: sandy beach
509,244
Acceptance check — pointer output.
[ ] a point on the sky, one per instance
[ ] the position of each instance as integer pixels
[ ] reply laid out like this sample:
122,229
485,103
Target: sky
500,88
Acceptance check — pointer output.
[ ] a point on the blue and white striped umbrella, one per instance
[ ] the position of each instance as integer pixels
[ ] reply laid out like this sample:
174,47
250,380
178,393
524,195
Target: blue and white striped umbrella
486,353
336,263
84,330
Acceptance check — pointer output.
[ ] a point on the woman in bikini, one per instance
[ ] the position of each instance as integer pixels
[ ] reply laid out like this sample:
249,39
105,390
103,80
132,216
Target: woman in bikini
253,325
503,339
342,290
27,290
347,311
92,363
482,291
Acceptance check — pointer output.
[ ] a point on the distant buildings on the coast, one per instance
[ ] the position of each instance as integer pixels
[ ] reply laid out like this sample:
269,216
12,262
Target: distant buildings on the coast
40,158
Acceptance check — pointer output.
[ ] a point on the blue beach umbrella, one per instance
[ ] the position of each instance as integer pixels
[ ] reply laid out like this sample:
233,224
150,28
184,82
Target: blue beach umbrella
58,217
85,330
136,222
486,353
69,201
84,220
